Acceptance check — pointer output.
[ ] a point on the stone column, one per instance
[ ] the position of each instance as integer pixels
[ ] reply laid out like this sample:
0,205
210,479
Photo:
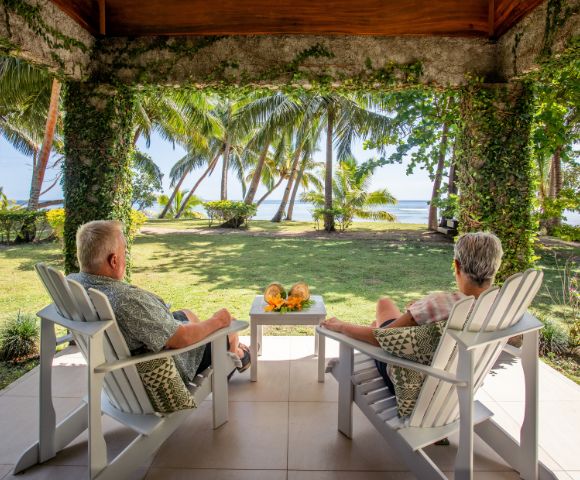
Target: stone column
97,171
494,169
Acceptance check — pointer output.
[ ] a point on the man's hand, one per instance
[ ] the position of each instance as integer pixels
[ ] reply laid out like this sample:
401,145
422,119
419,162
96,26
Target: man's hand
333,324
223,317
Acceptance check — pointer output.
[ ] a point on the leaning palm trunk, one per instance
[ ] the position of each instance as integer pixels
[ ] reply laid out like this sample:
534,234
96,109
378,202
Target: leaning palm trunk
328,216
267,194
291,179
194,188
172,197
253,188
432,222
225,168
295,189
39,171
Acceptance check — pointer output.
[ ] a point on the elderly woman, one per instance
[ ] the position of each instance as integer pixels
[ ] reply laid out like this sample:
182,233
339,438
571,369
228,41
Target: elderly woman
477,259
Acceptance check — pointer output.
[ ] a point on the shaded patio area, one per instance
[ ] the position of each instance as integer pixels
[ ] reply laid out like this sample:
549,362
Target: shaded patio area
284,426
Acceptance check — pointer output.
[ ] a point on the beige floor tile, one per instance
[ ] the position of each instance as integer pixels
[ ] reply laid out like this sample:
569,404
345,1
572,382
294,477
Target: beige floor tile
303,347
5,470
44,472
19,416
254,438
558,429
67,381
273,348
272,386
304,385
211,474
343,475
316,444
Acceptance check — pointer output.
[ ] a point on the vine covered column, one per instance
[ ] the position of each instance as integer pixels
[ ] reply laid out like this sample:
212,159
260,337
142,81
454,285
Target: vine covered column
98,145
494,169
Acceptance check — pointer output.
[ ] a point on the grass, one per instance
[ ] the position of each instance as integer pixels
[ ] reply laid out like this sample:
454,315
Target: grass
206,272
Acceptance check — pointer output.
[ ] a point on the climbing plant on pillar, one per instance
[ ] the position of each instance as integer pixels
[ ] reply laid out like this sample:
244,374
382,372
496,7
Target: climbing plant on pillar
98,147
494,169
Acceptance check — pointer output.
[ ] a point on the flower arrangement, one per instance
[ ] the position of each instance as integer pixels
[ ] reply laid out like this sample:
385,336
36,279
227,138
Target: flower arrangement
278,300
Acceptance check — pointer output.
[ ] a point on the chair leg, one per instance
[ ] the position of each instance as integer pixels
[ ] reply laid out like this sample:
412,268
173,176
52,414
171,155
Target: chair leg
529,430
464,459
47,417
345,389
97,444
219,361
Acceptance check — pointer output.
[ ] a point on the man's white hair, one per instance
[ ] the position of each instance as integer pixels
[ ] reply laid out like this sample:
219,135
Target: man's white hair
479,256
95,242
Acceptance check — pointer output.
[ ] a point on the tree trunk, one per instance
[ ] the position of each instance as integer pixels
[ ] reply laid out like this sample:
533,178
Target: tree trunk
432,222
452,188
194,188
50,127
253,188
267,194
282,208
295,190
328,216
555,187
175,190
225,168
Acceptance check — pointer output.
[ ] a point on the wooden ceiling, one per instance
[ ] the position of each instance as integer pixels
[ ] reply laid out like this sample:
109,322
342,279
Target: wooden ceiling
472,18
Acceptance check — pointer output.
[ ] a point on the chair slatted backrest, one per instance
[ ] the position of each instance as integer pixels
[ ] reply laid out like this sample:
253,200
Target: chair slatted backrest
124,387
495,310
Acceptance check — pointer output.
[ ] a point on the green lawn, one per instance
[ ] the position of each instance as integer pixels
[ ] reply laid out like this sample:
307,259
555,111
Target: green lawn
206,272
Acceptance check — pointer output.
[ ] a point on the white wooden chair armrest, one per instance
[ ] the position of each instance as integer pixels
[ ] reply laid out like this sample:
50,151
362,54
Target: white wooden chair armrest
235,326
470,340
379,354
89,329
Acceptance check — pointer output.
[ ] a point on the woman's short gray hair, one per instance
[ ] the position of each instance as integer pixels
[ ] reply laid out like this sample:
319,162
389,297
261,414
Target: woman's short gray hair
479,256
95,242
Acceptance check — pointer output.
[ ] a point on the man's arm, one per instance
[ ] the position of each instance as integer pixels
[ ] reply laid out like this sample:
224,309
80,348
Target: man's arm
193,332
363,333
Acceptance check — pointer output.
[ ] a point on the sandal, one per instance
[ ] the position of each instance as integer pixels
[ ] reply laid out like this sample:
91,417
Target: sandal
246,359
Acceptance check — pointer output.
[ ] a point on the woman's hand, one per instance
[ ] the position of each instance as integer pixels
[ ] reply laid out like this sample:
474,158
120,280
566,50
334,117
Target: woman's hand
333,324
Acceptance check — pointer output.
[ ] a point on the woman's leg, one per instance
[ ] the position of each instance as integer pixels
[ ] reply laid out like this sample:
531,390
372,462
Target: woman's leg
386,310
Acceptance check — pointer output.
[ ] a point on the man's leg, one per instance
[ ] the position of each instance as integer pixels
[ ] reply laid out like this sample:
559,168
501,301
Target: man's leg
386,310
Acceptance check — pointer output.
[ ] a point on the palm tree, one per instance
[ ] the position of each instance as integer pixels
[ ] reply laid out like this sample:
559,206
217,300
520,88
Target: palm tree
346,118
28,116
305,139
276,168
305,178
180,204
351,196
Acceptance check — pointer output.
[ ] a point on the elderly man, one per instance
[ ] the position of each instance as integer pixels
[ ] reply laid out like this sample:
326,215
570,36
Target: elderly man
477,259
143,318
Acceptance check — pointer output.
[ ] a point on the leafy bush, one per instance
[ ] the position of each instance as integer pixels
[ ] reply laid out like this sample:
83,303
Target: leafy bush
19,338
55,219
553,339
231,214
570,233
137,220
342,217
20,225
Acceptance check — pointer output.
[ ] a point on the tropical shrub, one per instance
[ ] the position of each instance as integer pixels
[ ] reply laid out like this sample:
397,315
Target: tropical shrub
13,220
19,337
55,219
569,233
553,339
231,214
176,205
351,197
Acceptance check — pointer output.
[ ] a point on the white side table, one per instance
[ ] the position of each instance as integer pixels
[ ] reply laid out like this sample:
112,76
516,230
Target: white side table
311,316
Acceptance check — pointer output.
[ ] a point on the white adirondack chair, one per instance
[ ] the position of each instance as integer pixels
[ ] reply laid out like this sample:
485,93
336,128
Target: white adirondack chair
466,353
115,388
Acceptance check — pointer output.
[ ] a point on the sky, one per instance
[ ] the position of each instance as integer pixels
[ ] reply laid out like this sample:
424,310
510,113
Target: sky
16,171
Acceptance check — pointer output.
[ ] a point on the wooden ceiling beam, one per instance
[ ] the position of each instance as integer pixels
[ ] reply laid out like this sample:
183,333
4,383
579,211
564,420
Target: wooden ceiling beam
491,19
102,18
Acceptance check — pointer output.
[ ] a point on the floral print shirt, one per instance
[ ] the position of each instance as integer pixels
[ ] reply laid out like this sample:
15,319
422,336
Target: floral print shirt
143,318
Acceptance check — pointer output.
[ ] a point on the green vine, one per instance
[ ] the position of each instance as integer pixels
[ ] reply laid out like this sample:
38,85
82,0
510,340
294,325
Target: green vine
98,147
494,169
558,12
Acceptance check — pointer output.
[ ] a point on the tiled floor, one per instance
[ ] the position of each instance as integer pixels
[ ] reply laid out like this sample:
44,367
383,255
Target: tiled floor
284,426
